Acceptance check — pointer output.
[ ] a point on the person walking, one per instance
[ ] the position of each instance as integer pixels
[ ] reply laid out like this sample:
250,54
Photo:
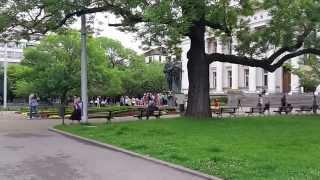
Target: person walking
98,100
314,104
77,109
284,100
33,103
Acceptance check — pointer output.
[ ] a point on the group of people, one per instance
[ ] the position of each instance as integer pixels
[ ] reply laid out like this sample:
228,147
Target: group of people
160,99
100,101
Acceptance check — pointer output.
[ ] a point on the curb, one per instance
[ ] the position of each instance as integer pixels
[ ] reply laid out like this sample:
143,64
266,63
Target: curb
133,154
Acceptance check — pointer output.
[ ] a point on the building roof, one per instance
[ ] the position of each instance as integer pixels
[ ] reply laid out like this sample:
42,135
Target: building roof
156,51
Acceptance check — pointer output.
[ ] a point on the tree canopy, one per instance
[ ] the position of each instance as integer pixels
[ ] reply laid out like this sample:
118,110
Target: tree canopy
291,32
168,21
52,69
309,73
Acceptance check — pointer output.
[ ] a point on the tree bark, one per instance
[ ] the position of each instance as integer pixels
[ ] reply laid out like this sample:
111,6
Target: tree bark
198,73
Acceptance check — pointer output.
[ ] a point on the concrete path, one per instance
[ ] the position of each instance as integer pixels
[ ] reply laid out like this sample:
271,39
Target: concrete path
28,151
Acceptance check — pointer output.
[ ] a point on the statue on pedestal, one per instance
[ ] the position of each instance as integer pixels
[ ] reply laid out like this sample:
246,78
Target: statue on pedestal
173,72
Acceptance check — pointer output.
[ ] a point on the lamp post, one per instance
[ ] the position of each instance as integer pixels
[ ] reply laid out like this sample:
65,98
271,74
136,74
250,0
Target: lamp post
84,78
5,66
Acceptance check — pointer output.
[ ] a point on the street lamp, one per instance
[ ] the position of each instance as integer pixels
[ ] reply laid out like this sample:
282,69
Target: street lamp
5,66
84,78
5,77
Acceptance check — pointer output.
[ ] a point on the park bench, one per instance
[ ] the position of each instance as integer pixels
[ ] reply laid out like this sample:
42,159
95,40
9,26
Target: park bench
285,109
222,110
143,113
304,109
259,110
108,115
255,110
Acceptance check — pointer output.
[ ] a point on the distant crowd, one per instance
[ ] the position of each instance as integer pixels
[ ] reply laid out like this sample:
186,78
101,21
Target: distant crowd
158,99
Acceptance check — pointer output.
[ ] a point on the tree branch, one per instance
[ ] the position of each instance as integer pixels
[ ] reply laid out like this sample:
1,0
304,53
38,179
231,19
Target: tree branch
262,63
299,44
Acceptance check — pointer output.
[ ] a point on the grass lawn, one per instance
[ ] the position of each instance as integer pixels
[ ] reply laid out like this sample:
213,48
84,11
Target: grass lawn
276,147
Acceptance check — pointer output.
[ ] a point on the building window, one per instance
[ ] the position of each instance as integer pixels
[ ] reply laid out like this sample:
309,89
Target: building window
230,79
150,59
265,78
214,80
246,78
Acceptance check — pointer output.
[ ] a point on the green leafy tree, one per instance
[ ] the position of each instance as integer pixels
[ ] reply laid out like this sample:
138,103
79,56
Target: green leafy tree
291,32
309,74
146,78
52,69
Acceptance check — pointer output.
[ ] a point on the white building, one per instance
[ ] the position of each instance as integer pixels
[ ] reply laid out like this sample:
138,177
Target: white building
225,76
156,55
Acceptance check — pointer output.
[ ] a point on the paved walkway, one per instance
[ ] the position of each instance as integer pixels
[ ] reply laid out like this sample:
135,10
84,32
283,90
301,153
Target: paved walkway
29,151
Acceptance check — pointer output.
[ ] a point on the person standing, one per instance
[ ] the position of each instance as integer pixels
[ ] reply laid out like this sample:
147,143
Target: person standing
284,100
239,105
121,101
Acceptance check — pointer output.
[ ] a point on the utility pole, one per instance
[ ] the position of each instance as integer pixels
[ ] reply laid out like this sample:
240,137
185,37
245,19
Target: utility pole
5,72
84,78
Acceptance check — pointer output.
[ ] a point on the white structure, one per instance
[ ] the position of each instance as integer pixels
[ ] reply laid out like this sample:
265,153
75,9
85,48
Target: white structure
10,52
156,55
225,76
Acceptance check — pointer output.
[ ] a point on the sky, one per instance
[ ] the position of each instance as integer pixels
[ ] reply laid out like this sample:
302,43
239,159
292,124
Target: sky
101,22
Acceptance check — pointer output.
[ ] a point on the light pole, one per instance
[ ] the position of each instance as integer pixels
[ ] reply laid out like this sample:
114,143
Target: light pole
5,66
84,78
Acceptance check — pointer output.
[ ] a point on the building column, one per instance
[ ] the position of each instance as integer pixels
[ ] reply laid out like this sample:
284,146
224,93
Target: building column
235,76
272,82
252,80
295,83
5,65
219,88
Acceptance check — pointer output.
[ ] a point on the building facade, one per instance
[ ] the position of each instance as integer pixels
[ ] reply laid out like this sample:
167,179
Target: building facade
156,55
226,77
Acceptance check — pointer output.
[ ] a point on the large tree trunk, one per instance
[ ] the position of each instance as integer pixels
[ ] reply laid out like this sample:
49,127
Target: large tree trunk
198,73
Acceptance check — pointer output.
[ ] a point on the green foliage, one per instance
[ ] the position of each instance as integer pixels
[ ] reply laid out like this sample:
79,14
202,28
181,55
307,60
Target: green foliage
167,22
290,19
52,69
271,147
309,73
